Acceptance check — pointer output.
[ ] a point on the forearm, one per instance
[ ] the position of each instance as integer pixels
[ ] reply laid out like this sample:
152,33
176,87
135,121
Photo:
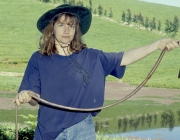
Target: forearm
137,54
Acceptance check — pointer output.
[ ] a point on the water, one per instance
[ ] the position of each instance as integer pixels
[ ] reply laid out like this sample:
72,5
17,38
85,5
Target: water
175,3
160,133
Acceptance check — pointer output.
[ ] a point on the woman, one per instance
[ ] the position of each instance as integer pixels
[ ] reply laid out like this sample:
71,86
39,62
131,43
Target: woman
64,71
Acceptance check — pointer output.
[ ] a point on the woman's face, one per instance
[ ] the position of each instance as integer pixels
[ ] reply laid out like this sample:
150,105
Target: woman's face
64,30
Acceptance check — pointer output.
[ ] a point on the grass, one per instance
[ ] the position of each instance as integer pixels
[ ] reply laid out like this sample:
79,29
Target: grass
19,39
9,83
150,10
9,115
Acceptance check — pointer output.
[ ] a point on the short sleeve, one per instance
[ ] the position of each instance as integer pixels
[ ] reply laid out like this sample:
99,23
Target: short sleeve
111,64
31,79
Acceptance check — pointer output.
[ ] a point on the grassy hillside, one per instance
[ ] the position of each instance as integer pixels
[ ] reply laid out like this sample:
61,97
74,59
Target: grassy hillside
150,10
19,39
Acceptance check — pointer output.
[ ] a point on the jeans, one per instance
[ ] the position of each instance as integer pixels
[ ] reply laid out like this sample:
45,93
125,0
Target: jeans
84,130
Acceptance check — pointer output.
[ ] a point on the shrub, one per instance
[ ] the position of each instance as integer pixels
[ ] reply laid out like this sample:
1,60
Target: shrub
26,133
7,130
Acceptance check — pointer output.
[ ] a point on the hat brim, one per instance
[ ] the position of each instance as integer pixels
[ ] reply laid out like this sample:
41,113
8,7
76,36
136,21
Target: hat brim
83,14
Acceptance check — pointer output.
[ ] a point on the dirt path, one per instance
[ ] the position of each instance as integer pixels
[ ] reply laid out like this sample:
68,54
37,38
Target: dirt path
116,91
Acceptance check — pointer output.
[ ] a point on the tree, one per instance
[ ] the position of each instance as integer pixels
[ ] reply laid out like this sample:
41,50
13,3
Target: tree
128,16
64,1
111,13
79,3
135,18
46,1
100,10
167,26
172,27
90,4
175,25
54,1
152,24
123,16
140,20
159,25
146,24
95,12
72,2
105,13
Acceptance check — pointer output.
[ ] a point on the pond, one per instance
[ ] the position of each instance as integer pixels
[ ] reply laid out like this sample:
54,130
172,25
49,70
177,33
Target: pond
159,133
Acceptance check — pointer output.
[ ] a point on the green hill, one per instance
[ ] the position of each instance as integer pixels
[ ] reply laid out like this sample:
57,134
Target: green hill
19,39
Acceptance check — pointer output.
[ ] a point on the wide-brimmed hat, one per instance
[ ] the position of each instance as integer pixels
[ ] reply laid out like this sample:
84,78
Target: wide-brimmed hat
83,14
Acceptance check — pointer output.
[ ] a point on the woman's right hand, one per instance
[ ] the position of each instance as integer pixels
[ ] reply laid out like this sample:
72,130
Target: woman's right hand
23,97
167,42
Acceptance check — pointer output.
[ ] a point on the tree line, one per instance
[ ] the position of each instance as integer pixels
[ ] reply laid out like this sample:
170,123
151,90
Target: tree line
171,27
97,11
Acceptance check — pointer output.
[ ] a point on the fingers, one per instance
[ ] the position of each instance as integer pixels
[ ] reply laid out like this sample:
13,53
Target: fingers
171,45
16,101
22,97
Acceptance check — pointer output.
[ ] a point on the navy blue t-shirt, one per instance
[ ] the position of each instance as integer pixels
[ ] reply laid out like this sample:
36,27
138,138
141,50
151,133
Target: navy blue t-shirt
58,79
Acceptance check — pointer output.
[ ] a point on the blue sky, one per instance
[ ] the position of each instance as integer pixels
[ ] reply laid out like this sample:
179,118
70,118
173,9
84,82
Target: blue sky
165,2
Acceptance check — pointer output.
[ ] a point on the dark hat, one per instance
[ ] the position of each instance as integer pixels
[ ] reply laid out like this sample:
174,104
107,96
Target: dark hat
83,14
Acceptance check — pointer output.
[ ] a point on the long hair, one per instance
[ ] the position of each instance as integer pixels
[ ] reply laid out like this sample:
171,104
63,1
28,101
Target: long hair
47,40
